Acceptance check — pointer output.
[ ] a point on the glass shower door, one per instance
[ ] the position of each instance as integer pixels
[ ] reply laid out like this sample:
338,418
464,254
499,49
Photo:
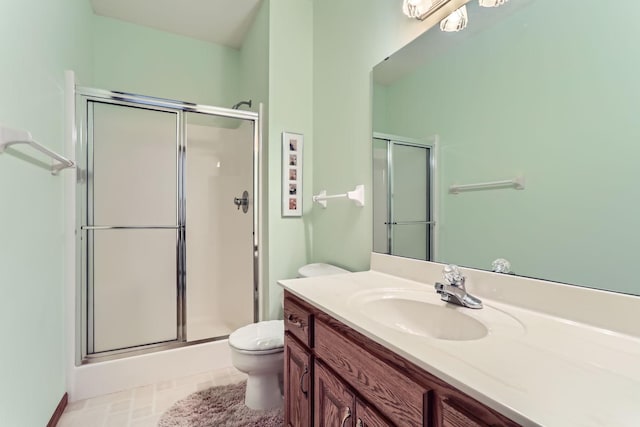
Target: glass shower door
131,226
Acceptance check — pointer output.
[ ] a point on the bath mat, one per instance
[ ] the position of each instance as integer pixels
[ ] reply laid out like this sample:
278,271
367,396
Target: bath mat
219,406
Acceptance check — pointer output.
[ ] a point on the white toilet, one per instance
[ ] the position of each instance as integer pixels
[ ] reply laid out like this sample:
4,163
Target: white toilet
258,350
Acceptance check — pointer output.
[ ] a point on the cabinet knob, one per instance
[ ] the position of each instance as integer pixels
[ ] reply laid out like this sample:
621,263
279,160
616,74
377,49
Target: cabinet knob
292,320
347,415
359,423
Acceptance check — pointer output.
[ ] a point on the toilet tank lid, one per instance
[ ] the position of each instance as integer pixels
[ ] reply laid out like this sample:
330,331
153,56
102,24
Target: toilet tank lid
319,269
266,335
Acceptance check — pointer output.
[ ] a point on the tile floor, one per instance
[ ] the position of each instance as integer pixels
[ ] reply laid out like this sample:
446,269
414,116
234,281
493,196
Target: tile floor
142,406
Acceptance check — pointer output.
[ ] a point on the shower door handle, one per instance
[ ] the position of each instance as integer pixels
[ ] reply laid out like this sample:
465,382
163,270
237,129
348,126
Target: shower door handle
242,201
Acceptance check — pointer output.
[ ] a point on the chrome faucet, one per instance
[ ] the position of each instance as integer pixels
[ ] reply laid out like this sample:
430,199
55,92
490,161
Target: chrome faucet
454,291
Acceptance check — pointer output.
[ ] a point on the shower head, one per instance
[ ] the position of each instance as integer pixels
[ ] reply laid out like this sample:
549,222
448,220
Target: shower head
236,106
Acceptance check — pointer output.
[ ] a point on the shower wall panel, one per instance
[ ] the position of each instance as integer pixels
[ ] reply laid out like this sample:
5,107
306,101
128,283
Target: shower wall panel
219,245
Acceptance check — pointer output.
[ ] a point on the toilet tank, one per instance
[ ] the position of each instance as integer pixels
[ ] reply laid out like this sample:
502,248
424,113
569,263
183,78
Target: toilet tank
316,269
319,269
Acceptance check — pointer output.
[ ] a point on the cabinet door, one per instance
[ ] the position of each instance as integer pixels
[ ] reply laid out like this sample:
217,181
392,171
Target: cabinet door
334,402
403,401
297,384
366,416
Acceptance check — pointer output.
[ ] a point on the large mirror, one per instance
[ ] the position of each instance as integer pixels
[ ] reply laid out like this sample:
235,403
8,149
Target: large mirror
540,89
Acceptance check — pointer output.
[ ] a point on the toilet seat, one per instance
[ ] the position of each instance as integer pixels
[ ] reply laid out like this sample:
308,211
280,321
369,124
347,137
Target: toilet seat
264,337
258,352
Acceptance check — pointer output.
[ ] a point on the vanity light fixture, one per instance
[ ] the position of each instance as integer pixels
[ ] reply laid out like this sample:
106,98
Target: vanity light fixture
416,8
456,21
492,3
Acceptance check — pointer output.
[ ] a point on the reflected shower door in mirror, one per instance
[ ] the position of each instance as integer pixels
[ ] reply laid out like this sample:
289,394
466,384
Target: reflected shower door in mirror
402,202
529,88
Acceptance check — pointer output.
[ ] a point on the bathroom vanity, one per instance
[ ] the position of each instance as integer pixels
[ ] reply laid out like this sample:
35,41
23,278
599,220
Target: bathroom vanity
379,348
359,382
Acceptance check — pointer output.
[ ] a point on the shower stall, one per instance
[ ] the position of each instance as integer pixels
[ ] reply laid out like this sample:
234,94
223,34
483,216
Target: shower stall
167,228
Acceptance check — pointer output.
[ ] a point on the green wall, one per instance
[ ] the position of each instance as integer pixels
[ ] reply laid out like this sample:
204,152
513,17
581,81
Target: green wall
142,60
254,62
39,41
290,110
350,37
254,85
558,104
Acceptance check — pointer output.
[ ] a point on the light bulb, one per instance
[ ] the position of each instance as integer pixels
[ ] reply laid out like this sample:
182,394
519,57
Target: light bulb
416,8
491,3
456,21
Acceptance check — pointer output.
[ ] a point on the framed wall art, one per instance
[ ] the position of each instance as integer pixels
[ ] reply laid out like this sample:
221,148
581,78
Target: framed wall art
292,145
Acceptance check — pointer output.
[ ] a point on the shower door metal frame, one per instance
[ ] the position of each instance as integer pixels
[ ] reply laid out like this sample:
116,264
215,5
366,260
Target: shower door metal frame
392,140
85,95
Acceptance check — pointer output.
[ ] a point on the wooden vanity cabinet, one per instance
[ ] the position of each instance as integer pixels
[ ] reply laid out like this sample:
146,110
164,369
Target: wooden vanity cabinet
335,376
336,403
400,399
366,416
298,375
298,320
298,363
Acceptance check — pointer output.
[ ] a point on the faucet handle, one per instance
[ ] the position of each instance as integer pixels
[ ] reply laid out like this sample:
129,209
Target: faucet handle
501,265
452,275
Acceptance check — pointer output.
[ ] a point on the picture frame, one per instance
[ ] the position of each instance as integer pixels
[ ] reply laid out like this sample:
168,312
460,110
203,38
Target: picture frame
292,150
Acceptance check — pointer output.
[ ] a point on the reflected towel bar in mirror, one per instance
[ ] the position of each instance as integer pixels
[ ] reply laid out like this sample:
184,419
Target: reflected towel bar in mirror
516,183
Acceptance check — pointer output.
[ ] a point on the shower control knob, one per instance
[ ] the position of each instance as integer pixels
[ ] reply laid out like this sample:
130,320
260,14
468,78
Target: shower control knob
242,201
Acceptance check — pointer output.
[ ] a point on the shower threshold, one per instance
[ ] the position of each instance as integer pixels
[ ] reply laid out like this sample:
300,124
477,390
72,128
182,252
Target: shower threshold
145,349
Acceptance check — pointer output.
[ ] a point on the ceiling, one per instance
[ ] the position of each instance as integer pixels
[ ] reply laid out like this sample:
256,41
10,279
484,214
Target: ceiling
224,22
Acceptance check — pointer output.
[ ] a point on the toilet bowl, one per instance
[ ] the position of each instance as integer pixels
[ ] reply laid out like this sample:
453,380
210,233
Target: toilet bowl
258,350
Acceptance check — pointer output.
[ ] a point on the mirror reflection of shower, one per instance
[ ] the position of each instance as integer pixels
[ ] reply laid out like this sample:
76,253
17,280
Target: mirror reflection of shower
164,258
403,214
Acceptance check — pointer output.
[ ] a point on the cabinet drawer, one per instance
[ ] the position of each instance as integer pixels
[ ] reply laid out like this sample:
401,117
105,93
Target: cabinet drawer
453,416
397,397
298,321
454,409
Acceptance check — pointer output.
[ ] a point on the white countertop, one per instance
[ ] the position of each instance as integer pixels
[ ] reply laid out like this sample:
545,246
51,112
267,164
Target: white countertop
534,368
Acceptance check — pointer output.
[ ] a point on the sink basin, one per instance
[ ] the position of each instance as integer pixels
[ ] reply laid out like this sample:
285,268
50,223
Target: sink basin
422,318
422,313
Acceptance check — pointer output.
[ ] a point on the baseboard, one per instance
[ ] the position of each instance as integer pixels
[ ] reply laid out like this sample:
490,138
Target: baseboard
58,412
